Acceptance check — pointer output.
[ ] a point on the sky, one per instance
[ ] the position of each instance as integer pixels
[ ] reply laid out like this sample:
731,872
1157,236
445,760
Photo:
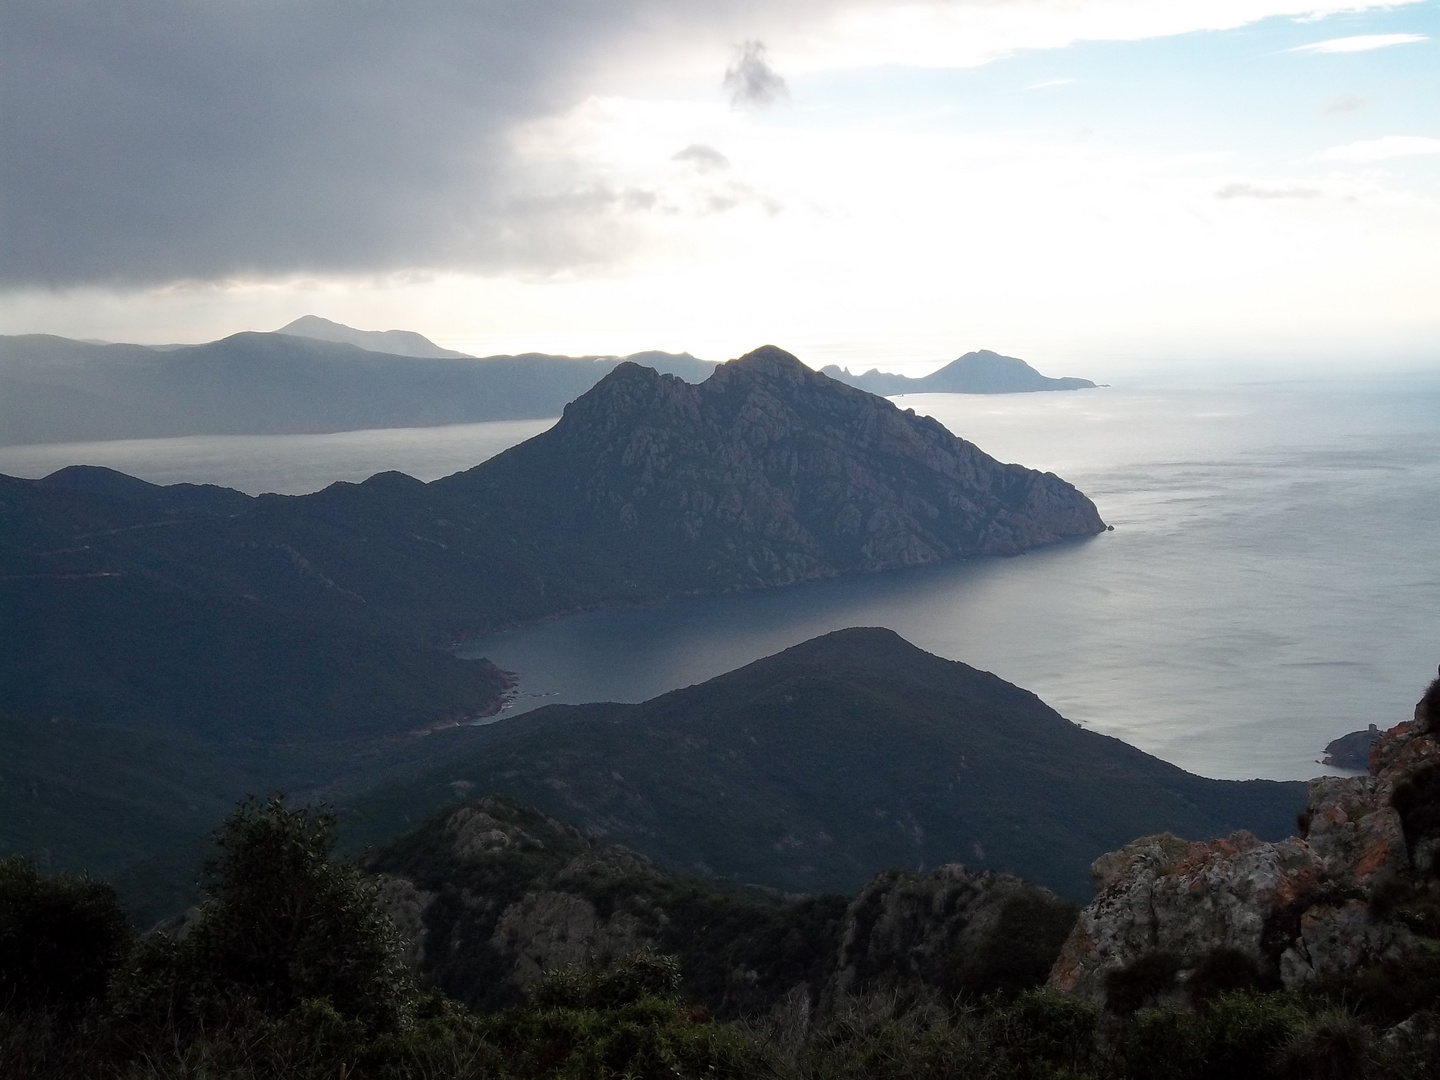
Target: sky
1100,186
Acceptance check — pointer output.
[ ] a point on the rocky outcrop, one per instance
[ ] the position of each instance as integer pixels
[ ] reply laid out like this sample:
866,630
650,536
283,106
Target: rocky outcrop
494,895
1351,751
1357,886
980,372
954,930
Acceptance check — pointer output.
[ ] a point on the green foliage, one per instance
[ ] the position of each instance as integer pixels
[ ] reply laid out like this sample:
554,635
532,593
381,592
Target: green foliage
286,921
642,974
1224,970
1329,1046
647,1038
60,940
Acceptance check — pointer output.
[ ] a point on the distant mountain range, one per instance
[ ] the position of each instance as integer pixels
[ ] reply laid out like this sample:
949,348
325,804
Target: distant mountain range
56,390
394,342
982,372
295,635
812,769
314,376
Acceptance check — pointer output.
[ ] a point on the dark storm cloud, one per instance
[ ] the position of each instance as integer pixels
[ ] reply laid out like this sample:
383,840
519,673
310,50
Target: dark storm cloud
751,81
164,140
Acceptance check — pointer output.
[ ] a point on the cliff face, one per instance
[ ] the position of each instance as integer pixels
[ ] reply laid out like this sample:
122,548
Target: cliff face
769,473
1358,887
494,895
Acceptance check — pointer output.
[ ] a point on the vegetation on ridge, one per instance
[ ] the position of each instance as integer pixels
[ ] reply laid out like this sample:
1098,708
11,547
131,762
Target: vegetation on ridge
298,977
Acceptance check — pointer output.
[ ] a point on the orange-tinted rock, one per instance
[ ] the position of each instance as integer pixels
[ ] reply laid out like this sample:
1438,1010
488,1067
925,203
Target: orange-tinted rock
1300,906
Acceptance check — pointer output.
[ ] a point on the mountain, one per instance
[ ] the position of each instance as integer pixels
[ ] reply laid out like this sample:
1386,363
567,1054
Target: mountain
55,390
815,768
555,898
301,640
394,342
982,372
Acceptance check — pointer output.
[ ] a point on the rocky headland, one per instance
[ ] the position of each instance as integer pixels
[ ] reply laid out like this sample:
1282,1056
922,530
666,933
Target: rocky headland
1356,888
978,372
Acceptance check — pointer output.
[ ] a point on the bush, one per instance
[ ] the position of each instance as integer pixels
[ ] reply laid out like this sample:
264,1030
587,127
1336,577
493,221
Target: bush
641,974
285,921
1140,982
61,938
1226,970
1332,1046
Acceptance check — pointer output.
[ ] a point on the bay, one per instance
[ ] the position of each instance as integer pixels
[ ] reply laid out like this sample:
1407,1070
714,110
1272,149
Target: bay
1273,579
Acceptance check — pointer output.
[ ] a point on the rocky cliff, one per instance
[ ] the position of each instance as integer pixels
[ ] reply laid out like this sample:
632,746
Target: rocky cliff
1356,888
494,895
769,473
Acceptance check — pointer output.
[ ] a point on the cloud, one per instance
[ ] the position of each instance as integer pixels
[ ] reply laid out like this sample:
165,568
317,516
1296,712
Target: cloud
1240,190
180,141
751,81
1346,105
703,158
1383,149
1360,43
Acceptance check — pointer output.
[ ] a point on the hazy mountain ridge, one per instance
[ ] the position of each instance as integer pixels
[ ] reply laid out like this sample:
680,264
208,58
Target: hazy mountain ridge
394,342
979,372
56,390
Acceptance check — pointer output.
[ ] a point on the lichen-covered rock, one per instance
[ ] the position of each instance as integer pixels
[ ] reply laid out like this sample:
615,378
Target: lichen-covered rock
547,931
1304,907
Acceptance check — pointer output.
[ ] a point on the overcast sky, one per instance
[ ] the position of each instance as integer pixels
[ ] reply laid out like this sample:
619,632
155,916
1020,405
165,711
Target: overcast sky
1098,185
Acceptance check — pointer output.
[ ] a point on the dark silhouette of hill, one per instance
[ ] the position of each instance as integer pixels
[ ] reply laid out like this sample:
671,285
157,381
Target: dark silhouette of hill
980,372
817,767
55,390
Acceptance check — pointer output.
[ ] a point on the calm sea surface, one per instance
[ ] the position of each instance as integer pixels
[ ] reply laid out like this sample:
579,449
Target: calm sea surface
1273,579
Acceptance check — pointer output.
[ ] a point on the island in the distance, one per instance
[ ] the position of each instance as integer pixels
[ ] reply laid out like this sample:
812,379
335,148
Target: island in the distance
980,372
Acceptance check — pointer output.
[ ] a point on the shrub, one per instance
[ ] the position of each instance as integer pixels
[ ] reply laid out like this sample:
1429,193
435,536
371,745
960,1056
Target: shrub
1417,798
1331,1046
286,921
1142,981
1162,1043
1224,970
61,938
641,974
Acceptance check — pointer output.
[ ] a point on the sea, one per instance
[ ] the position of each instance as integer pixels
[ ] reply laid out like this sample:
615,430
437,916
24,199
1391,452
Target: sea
1272,580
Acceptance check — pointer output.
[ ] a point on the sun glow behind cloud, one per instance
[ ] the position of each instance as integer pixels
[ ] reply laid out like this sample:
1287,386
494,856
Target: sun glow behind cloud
835,198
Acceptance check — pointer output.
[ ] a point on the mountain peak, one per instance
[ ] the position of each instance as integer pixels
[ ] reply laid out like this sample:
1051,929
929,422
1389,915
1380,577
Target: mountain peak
770,473
394,342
